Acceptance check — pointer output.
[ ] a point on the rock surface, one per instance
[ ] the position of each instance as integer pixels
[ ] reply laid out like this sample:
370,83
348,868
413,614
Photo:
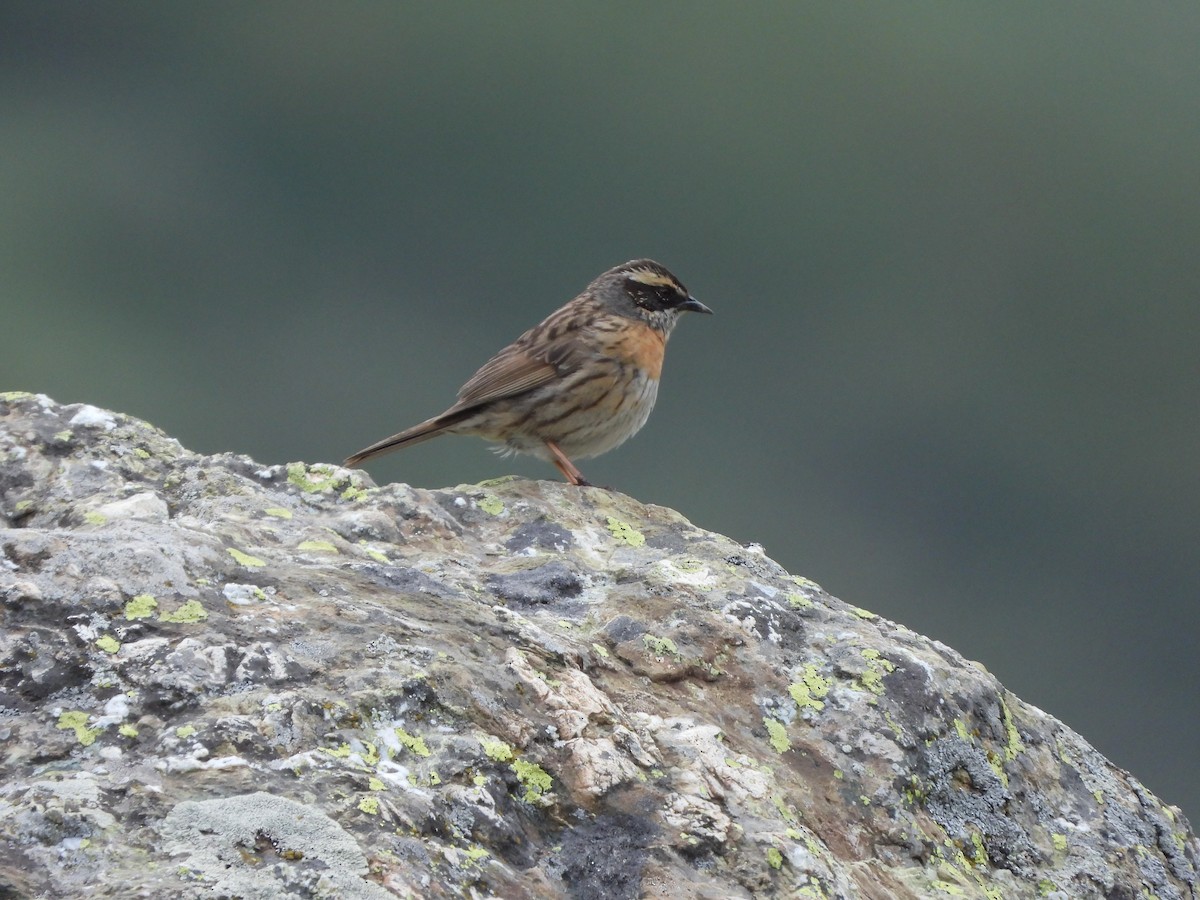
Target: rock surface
219,679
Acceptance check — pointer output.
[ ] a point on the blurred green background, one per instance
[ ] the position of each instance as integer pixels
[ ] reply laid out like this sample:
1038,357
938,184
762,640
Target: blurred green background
953,251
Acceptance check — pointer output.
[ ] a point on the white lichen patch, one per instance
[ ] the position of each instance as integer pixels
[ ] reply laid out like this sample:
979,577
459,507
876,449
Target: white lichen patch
687,572
92,417
244,594
146,506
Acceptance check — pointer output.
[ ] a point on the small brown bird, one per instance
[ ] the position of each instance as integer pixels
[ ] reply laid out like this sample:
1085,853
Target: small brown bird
577,385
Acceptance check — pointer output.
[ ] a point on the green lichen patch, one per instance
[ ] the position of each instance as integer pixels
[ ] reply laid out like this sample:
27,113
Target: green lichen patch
799,601
374,784
774,858
185,731
317,546
625,533
475,854
189,613
1014,746
245,559
127,730
354,494
141,607
76,720
278,512
108,643
377,555
94,518
490,504
777,735
369,805
412,742
660,646
536,780
496,482
863,613
979,854
810,690
313,479
497,750
877,667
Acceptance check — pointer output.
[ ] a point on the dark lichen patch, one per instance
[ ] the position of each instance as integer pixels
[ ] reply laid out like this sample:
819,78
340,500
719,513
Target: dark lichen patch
603,859
550,585
965,796
407,580
541,534
625,628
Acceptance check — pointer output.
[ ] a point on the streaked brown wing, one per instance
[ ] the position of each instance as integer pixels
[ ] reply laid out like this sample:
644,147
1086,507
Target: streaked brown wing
539,356
511,371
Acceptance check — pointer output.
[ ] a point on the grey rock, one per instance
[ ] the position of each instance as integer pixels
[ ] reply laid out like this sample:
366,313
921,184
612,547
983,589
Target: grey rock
222,679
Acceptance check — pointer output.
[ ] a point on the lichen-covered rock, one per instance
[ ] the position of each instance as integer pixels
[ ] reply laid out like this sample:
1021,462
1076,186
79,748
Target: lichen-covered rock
222,679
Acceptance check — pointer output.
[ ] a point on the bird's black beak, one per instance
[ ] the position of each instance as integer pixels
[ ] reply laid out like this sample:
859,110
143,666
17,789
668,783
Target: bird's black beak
691,304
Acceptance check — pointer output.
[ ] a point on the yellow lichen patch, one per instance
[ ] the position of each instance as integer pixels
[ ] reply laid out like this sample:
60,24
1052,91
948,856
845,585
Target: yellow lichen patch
777,734
1014,745
810,690
660,646
108,644
75,720
625,533
476,854
537,781
316,479
317,546
412,742
799,601
490,504
497,750
245,559
188,614
377,555
877,667
141,607
369,805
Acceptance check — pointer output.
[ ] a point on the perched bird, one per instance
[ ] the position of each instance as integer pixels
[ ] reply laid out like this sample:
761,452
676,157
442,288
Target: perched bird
577,385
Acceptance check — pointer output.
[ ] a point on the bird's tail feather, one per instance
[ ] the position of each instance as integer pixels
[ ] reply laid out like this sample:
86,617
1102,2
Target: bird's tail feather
430,428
